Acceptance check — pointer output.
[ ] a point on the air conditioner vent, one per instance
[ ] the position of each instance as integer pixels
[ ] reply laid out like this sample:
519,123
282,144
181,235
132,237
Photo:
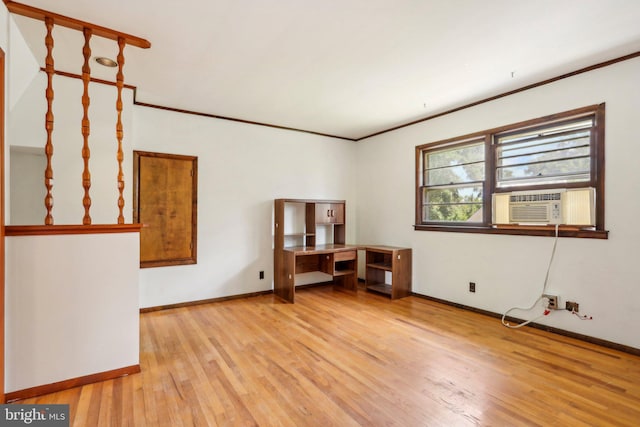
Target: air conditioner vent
538,197
529,213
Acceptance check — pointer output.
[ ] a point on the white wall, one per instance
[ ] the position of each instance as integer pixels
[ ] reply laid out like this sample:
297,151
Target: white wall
242,168
601,275
26,180
22,66
4,28
73,315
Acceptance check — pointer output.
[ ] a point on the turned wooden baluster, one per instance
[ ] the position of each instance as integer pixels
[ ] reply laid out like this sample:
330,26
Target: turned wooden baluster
48,148
86,153
119,131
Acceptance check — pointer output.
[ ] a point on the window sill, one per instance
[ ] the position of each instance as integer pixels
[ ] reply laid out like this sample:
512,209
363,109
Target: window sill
519,230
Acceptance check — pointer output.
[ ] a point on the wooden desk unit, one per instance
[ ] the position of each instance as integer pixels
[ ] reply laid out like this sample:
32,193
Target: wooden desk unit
335,263
309,247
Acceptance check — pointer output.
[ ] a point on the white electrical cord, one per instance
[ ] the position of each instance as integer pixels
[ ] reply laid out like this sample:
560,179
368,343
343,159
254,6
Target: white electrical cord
544,288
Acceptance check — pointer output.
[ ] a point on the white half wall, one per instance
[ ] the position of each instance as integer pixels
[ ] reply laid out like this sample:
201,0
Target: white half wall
242,168
71,301
601,275
72,315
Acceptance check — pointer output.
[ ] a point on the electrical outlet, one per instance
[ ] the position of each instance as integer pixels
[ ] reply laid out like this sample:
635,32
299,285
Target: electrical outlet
572,306
553,301
261,275
472,286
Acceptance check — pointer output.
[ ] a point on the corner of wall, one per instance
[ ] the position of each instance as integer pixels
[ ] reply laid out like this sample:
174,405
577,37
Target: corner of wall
23,66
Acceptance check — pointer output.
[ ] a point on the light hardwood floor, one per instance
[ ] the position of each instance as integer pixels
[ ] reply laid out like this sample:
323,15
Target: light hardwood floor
339,359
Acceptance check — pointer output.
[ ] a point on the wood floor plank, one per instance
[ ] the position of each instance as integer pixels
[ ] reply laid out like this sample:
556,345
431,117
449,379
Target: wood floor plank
343,359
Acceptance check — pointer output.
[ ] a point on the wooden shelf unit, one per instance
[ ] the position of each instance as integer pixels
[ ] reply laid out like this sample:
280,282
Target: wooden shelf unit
299,251
384,261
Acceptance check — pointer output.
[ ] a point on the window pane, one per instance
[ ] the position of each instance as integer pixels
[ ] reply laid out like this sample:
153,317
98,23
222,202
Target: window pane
559,171
546,146
459,204
545,156
455,174
556,155
453,183
455,156
548,132
471,213
453,195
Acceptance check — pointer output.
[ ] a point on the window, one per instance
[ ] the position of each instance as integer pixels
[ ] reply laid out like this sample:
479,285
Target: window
456,178
454,181
557,155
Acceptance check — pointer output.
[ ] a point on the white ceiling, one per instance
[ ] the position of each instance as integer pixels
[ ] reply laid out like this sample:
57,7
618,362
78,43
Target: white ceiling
348,68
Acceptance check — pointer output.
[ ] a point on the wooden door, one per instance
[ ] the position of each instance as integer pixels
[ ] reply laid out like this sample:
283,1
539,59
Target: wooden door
165,201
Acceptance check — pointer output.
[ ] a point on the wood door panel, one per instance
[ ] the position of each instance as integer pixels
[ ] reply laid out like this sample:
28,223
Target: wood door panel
166,206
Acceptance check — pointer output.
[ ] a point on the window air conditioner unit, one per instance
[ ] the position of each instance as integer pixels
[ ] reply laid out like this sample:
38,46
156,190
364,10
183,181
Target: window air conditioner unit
541,207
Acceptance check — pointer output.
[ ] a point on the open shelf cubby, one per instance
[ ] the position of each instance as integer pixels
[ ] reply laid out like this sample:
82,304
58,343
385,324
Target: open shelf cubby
388,270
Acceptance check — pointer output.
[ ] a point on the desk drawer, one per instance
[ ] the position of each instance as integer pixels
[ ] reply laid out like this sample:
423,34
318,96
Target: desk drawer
344,256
